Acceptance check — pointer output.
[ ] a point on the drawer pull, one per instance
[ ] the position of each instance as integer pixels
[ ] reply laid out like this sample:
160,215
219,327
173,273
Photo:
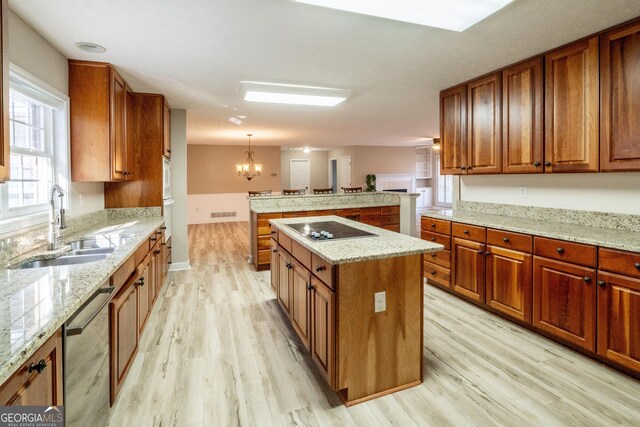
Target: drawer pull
289,266
466,231
536,164
153,239
433,255
602,283
560,250
487,253
587,279
309,286
505,239
433,226
273,232
433,273
38,367
141,281
480,251
637,265
321,268
433,239
547,163
274,250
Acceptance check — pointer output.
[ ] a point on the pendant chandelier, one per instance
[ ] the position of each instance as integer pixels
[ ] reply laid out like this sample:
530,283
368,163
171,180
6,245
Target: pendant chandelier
249,169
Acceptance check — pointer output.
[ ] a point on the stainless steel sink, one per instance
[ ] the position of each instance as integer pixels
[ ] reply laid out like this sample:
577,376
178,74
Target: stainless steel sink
64,260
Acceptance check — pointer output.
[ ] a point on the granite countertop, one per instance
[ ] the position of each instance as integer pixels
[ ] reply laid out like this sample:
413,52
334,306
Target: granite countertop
386,244
315,202
605,237
328,206
36,302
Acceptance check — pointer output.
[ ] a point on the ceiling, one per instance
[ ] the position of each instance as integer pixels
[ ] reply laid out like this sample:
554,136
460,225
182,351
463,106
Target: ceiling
197,52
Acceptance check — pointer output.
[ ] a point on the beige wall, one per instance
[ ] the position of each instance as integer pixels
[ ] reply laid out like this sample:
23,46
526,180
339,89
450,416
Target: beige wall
211,169
372,160
179,235
318,164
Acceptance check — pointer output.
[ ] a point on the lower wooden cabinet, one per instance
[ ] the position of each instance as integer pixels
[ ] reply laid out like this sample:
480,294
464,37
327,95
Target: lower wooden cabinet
145,294
274,271
38,382
619,319
468,269
564,302
284,275
123,312
323,329
509,282
301,302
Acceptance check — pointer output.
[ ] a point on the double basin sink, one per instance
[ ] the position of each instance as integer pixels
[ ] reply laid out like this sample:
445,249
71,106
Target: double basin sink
82,251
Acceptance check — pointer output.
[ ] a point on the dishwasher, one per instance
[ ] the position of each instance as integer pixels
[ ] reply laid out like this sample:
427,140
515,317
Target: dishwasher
86,362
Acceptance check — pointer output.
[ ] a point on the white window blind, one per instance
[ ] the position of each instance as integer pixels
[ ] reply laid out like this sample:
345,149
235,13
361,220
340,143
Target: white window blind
444,187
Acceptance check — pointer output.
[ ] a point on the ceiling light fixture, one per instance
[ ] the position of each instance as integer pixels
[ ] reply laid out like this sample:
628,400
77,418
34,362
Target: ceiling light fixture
90,47
292,94
249,169
307,149
436,144
235,120
455,15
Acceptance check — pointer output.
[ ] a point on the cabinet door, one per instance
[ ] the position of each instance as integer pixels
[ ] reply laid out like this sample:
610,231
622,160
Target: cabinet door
166,130
300,302
274,266
285,267
152,280
484,149
453,131
468,269
39,381
124,333
508,284
564,301
323,330
522,120
129,141
145,297
118,134
572,108
5,155
618,319
159,267
620,91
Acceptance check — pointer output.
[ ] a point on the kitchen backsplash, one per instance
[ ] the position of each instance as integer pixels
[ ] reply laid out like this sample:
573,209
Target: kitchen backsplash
568,216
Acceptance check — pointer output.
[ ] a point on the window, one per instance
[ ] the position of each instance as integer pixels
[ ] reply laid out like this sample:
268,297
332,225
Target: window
38,130
444,187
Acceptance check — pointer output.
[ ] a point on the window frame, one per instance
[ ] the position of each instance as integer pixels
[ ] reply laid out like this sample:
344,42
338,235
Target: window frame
440,179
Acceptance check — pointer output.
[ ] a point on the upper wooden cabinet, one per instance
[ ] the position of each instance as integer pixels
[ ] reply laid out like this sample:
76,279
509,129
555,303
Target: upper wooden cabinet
166,134
620,97
571,108
453,131
522,119
484,143
5,155
98,123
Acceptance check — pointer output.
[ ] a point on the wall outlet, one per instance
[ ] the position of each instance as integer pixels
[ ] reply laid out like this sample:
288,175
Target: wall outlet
380,301
523,192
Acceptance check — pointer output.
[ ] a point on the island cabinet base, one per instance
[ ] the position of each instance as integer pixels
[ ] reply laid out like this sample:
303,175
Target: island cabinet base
363,354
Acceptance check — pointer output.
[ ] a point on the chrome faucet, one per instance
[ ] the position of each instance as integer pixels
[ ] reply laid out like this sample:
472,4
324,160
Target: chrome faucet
56,222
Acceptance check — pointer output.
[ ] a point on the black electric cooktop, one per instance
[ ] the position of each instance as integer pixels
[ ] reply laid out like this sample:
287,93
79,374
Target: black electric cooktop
328,230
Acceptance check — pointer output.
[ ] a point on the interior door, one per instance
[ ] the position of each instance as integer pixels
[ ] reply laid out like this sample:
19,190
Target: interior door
344,172
299,174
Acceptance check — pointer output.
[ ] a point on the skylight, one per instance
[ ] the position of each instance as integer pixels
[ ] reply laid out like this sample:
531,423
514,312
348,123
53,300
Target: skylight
455,15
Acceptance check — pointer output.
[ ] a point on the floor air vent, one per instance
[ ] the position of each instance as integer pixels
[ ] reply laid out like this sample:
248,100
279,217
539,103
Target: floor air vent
223,214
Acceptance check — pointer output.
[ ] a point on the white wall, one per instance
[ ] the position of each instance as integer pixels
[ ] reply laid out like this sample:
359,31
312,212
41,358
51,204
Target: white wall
179,233
34,54
601,192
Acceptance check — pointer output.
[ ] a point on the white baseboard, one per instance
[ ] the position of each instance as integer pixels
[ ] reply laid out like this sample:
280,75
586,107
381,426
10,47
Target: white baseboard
178,266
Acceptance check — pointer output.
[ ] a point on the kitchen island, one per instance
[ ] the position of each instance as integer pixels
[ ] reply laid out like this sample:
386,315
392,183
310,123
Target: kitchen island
354,299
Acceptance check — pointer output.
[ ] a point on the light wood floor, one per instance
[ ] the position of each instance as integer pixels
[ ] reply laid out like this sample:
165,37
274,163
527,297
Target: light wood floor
218,352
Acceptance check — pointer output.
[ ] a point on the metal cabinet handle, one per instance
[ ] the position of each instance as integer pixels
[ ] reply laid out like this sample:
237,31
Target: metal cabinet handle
157,251
560,250
274,250
587,279
433,255
433,239
463,167
487,253
547,163
153,239
480,251
505,239
433,273
537,164
321,268
433,226
163,227
466,231
637,265
602,283
274,232
289,266
38,367
310,286
141,281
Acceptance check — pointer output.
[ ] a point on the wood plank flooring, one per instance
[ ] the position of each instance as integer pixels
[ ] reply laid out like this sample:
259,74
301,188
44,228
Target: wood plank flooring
217,351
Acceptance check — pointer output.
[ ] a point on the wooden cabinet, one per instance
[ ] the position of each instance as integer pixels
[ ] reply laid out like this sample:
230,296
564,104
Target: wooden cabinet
38,382
166,133
5,155
468,269
564,301
123,312
323,330
99,138
301,302
274,266
453,131
572,108
509,282
437,265
284,279
484,138
619,94
522,119
146,291
618,319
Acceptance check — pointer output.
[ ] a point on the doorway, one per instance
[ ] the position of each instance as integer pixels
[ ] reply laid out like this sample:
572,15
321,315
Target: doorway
333,174
299,174
344,172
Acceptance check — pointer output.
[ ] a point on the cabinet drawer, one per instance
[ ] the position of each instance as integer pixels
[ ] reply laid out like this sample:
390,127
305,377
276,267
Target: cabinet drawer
321,213
442,258
435,225
301,253
263,242
285,241
390,210
264,256
469,232
437,238
562,250
348,212
394,227
436,274
323,270
389,219
370,217
369,211
509,240
264,228
294,214
627,263
122,274
374,222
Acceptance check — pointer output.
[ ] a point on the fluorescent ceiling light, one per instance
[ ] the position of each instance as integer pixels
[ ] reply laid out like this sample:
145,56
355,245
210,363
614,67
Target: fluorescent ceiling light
456,15
292,94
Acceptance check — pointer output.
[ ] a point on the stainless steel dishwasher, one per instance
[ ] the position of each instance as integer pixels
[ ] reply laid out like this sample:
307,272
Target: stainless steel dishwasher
86,362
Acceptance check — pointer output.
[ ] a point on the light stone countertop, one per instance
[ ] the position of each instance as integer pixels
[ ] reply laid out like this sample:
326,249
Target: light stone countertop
605,237
35,303
314,202
386,244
